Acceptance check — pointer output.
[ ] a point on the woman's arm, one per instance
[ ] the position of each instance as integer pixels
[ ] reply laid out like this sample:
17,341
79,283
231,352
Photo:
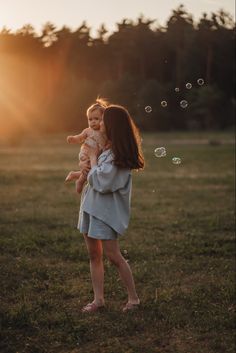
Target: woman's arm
107,177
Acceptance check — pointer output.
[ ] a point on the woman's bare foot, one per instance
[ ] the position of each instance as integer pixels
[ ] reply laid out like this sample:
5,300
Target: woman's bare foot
93,307
130,306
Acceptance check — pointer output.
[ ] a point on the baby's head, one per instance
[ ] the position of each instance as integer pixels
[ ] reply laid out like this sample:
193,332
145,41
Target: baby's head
95,113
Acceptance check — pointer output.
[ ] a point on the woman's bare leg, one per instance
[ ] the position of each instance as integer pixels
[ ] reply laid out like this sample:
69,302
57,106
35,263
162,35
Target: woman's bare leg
112,251
95,252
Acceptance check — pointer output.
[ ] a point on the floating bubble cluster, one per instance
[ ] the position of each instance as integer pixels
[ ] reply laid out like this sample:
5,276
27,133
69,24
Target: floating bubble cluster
148,109
164,104
160,152
200,81
183,104
176,160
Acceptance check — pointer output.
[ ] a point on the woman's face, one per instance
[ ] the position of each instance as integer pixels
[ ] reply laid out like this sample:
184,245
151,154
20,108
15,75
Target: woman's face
102,127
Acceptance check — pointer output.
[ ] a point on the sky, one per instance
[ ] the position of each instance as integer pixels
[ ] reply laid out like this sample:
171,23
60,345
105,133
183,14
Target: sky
15,13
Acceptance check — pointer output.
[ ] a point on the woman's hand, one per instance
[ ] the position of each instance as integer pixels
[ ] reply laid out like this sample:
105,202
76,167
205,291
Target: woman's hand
86,169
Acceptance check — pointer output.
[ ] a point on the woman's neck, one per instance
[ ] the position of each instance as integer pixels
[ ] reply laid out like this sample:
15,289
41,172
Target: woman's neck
107,146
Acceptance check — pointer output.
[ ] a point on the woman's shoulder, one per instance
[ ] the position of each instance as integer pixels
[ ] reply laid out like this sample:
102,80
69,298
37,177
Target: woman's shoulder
106,155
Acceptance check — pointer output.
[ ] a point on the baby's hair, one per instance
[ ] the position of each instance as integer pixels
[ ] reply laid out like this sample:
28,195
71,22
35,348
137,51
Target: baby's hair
101,104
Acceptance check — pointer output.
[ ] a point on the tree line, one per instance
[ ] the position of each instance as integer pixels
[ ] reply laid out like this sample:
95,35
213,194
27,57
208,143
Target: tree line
47,81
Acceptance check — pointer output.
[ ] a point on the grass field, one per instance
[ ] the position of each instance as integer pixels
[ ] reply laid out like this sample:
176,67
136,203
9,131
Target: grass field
180,245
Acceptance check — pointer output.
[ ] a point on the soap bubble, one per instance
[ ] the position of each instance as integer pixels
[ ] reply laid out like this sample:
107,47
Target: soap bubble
189,85
177,89
160,152
183,104
164,104
176,160
200,81
148,109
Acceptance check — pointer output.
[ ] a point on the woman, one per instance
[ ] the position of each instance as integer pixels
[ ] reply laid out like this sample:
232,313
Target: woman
105,202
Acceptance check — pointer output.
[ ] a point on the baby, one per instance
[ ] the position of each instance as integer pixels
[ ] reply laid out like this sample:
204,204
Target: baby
89,137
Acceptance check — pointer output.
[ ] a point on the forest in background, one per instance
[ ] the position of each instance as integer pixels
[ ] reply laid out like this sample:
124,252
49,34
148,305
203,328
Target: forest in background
48,80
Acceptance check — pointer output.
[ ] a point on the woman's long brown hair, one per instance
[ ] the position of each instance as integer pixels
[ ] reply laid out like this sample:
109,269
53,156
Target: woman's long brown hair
124,137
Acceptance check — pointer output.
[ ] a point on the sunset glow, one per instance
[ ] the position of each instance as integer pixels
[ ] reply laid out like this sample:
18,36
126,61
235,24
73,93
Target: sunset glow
14,13
49,74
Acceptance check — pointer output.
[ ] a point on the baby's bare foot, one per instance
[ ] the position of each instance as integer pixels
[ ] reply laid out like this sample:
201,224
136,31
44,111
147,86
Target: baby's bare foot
72,176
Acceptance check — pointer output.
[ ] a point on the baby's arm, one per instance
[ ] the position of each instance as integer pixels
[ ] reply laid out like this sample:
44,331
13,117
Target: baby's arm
78,138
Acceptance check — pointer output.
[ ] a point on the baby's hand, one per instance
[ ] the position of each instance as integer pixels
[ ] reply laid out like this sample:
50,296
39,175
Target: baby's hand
70,139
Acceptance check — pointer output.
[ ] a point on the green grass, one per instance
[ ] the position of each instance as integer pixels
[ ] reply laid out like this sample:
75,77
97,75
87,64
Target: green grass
180,245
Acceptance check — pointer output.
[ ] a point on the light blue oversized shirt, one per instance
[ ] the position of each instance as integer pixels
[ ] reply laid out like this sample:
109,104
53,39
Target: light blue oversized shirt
107,196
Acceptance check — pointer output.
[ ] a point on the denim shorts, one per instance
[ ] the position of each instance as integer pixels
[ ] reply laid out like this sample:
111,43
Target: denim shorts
95,228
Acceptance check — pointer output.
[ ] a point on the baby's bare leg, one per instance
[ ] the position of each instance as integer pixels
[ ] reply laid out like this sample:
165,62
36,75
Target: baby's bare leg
73,176
80,182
